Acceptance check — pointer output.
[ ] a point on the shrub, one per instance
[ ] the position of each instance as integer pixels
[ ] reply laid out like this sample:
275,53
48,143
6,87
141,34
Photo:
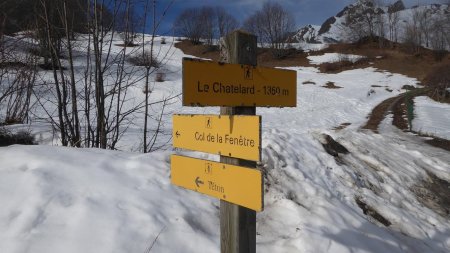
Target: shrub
284,53
145,60
344,62
36,51
22,137
160,77
438,80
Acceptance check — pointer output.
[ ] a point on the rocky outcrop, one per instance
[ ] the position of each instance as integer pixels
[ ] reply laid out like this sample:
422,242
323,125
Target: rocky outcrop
327,25
305,34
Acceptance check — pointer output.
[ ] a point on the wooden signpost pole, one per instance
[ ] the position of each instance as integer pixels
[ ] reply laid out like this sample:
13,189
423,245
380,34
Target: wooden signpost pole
237,223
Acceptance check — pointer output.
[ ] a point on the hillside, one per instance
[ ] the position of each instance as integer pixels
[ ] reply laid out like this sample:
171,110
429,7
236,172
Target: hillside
363,18
330,186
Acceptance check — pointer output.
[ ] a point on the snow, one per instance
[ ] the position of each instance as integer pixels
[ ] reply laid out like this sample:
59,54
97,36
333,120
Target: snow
431,117
309,47
88,200
333,57
57,199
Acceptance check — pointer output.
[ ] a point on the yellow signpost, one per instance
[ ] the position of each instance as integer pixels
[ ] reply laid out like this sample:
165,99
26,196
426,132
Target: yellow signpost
233,136
235,184
207,83
238,89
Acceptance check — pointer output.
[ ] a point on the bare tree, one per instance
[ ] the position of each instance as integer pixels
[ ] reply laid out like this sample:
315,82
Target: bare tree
413,34
225,22
197,24
440,37
363,20
128,22
380,29
208,24
393,20
152,64
88,105
189,25
17,79
272,24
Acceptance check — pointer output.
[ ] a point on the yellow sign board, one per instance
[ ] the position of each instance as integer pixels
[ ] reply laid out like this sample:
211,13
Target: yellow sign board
239,185
207,83
234,136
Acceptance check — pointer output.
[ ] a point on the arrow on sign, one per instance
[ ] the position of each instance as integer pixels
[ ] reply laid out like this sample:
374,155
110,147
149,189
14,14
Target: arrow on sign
177,134
198,181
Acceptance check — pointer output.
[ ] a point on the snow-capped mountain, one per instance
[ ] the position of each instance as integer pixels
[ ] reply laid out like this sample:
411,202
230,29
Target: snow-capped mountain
364,18
306,34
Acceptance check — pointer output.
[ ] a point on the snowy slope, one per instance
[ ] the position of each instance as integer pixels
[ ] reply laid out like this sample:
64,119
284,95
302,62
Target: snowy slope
87,200
431,117
333,57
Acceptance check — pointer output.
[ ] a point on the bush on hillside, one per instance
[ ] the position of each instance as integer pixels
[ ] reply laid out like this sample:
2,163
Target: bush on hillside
22,137
439,82
145,60
343,63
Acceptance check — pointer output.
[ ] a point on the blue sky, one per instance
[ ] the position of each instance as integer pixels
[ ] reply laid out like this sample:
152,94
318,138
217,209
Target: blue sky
305,11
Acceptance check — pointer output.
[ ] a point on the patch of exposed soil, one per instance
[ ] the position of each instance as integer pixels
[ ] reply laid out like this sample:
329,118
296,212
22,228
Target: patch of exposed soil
439,143
293,58
372,212
331,85
336,67
333,147
198,50
397,105
384,55
392,57
399,109
378,113
434,193
342,126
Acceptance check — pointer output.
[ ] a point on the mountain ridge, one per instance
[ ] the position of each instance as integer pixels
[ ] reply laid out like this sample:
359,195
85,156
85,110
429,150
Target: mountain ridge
348,24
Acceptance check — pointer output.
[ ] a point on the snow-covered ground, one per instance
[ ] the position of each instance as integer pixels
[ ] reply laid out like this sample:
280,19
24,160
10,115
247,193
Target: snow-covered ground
333,57
431,117
309,47
57,199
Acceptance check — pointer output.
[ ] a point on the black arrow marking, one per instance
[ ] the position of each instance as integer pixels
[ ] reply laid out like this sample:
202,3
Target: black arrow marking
198,181
177,134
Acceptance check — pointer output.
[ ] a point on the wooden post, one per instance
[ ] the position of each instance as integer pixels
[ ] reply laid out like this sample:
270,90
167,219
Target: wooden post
237,223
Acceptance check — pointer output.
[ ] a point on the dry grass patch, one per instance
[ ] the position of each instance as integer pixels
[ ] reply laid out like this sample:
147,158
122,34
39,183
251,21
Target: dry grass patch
265,57
198,50
344,64
390,58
